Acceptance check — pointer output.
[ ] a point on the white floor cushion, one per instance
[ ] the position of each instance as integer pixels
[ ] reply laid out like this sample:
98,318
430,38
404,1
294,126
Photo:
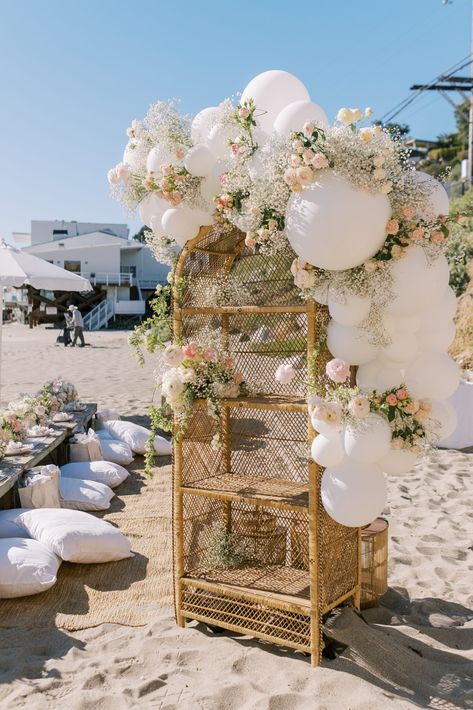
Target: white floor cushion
106,472
79,494
136,437
103,434
76,536
26,567
116,451
8,527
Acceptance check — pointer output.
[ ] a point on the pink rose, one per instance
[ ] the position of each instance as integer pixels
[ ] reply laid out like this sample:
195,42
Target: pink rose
228,363
175,198
417,234
391,399
244,112
392,226
210,355
250,241
190,350
308,128
308,156
304,174
402,394
337,369
235,148
290,176
304,278
437,237
320,161
285,374
238,378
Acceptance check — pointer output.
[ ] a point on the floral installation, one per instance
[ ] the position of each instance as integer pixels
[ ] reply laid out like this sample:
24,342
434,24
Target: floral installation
338,404
244,116
307,158
198,370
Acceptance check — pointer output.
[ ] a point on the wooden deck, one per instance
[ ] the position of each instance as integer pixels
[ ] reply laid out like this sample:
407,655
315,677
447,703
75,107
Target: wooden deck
50,447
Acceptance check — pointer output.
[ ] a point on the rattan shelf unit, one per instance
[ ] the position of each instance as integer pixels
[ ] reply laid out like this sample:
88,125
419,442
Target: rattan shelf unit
259,485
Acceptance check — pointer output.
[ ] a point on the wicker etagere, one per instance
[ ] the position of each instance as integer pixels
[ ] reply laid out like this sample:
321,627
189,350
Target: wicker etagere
259,485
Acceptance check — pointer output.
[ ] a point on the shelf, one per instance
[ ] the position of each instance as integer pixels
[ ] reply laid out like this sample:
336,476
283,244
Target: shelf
284,583
267,491
282,402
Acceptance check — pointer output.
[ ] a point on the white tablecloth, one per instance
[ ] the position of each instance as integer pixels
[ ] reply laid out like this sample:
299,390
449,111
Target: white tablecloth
462,400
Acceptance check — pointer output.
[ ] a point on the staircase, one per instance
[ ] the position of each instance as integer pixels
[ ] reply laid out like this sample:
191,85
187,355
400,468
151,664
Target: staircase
99,316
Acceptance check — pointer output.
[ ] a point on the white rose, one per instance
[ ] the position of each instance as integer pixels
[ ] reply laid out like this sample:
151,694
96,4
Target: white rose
304,278
173,355
366,134
285,374
186,374
304,174
172,386
295,160
368,112
357,115
345,116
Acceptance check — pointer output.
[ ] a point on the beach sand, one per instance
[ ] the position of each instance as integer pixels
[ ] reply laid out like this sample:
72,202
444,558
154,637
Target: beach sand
416,650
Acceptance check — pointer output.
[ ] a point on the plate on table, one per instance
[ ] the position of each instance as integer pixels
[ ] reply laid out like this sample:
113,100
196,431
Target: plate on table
25,449
39,432
63,418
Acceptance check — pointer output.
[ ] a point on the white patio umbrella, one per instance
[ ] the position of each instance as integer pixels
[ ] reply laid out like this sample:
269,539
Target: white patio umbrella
17,268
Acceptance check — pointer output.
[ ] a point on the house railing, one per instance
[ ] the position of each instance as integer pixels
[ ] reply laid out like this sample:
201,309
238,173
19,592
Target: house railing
105,278
100,315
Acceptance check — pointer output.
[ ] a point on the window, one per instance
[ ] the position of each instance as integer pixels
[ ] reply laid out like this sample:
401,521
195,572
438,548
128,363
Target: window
73,266
59,232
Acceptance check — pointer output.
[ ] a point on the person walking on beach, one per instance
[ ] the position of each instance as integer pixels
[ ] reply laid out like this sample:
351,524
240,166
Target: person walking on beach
78,324
67,328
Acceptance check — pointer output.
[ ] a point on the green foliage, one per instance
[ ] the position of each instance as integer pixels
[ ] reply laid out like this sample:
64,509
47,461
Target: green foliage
154,332
224,549
459,250
159,420
140,236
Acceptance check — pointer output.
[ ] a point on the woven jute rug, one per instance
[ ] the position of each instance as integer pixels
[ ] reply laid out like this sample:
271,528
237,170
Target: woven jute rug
127,592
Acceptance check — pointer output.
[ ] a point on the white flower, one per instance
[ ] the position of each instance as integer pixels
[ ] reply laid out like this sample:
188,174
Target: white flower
295,161
186,374
359,407
304,278
368,112
172,386
308,128
327,412
285,374
112,177
378,161
345,115
366,135
173,355
304,174
357,115
386,187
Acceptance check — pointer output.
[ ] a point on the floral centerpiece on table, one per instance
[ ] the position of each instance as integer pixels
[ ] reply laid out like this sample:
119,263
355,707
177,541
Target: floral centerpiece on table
57,393
199,371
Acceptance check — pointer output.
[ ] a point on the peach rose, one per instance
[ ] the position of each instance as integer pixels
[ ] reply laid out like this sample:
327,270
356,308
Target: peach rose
437,237
408,211
392,227
402,394
417,234
391,399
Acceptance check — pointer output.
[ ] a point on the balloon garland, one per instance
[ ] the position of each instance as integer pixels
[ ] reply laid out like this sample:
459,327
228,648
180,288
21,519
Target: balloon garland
368,232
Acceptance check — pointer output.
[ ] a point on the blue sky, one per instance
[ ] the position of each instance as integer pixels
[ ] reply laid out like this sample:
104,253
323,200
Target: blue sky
75,72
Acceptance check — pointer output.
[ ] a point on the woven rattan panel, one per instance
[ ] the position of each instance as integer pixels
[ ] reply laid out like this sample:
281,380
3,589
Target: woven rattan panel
280,625
271,561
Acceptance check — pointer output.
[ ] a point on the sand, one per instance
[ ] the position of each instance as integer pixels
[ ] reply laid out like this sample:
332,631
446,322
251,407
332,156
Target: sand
416,650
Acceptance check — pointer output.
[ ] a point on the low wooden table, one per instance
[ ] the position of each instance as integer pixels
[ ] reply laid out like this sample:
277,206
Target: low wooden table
52,447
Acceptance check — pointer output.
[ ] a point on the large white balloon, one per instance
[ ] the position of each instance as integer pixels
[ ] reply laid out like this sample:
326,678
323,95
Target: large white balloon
131,157
415,284
152,206
200,217
180,225
353,494
432,374
437,202
157,157
295,115
367,375
199,161
369,440
403,347
334,226
439,338
442,420
441,312
398,461
352,311
211,185
217,142
271,92
387,378
405,324
327,452
329,431
350,343
202,123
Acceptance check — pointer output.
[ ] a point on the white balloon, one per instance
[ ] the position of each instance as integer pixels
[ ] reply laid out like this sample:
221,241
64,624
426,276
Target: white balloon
349,343
369,440
320,294
367,374
217,142
415,284
353,494
387,378
433,375
157,226
201,217
179,225
439,338
406,324
211,186
437,202
327,452
199,161
398,461
293,116
152,206
442,420
352,311
202,123
403,348
131,157
271,92
329,431
334,226
442,312
157,157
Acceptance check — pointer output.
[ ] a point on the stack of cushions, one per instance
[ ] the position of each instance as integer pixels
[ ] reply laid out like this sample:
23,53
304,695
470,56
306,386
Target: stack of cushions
30,558
80,494
135,436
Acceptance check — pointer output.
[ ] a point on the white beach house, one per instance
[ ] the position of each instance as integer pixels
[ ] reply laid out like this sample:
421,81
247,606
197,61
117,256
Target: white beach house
123,271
